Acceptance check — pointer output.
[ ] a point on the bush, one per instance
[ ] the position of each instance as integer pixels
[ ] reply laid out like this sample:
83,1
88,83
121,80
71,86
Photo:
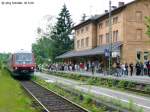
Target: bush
96,109
90,81
0,64
122,84
131,105
114,82
147,88
81,98
131,85
87,99
109,82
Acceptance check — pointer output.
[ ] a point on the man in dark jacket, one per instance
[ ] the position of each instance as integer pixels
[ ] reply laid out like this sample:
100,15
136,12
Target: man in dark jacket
126,69
148,67
138,68
131,69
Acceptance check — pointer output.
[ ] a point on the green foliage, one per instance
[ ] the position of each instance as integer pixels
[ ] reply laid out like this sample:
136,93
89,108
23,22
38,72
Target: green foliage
147,88
4,57
109,83
42,50
122,84
131,85
131,105
141,110
87,99
147,22
96,109
61,32
57,42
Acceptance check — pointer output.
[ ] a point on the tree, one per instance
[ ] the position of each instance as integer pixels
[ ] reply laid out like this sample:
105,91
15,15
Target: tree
61,32
47,47
42,50
4,59
147,22
43,46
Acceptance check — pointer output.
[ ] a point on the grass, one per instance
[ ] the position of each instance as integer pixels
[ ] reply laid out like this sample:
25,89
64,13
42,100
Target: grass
12,97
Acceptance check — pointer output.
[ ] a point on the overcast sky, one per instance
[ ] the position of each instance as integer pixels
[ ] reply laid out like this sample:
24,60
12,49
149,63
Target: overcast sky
18,22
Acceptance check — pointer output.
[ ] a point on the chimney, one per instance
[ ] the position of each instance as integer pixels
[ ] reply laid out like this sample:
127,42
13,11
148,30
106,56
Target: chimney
106,11
114,7
120,4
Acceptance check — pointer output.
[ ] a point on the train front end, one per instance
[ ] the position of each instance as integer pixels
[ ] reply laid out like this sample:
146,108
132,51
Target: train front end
23,63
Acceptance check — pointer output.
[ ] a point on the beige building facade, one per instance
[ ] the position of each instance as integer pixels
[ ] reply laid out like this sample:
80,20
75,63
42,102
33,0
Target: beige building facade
128,28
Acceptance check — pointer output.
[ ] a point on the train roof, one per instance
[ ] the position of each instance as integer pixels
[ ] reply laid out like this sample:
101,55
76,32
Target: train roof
22,51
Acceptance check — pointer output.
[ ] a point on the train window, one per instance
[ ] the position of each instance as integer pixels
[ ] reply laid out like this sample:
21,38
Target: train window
24,58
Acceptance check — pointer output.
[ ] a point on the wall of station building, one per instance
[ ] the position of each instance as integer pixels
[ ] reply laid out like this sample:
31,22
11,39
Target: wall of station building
136,41
103,29
131,32
133,52
87,34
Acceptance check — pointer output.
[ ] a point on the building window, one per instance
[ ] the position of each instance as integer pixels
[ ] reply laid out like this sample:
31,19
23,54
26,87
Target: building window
116,39
115,20
78,32
87,41
146,55
82,30
82,43
139,16
139,34
100,25
100,39
138,55
107,22
87,28
78,43
115,36
107,38
97,40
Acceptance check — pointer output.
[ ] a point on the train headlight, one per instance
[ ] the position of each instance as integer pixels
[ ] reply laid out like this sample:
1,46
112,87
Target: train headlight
31,67
16,68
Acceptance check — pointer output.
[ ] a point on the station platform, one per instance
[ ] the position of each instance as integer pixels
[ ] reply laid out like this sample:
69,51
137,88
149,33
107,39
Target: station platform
141,101
134,78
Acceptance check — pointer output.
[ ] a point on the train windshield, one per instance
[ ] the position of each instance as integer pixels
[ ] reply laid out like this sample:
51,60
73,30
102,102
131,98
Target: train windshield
24,58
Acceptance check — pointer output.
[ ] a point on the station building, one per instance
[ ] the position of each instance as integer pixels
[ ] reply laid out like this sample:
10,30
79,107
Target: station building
129,41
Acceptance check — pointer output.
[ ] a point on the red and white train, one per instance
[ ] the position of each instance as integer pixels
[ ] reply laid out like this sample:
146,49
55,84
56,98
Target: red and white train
22,63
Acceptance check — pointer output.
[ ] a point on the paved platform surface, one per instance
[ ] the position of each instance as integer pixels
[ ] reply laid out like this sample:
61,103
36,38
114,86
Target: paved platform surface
141,101
134,78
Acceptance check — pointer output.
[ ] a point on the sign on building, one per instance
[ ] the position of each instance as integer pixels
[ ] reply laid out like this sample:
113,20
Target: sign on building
115,54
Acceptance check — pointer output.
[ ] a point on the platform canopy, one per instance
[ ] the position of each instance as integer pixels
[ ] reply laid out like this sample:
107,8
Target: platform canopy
91,52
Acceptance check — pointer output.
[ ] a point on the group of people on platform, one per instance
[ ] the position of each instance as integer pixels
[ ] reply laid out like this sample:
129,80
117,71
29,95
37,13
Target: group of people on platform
122,69
128,69
81,67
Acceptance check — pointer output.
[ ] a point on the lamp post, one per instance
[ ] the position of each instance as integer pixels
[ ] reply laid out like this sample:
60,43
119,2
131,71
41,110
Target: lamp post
110,37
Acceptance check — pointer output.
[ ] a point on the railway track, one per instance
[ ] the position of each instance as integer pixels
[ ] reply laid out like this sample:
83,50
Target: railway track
50,101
